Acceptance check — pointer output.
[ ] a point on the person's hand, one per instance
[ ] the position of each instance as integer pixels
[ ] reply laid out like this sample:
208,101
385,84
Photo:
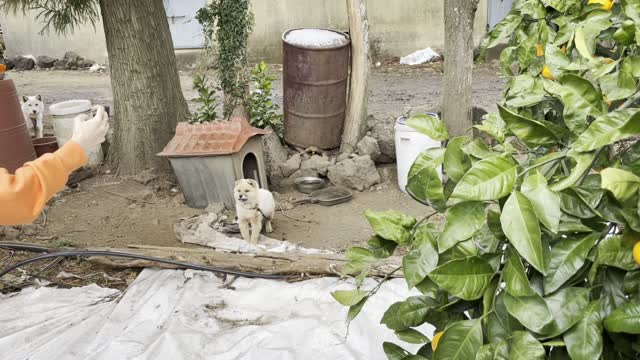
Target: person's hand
91,133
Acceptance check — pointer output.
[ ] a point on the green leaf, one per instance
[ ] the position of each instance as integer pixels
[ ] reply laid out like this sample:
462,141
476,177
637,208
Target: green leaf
429,125
494,126
526,347
531,311
488,179
623,185
485,239
617,251
394,352
409,313
546,203
489,296
580,99
419,262
584,340
626,34
461,341
521,227
464,278
500,324
567,257
463,220
583,164
381,248
456,162
625,319
428,288
619,85
497,351
412,336
609,128
528,130
612,282
555,59
503,30
515,276
424,181
355,309
349,297
391,225
567,306
478,149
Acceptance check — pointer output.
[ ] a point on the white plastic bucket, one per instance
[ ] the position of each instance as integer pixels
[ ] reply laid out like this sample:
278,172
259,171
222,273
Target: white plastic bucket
409,144
63,115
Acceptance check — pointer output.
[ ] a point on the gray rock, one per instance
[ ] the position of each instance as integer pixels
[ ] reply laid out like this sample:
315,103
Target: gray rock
11,63
358,173
46,62
11,233
342,157
275,153
72,58
24,63
316,163
383,131
369,146
290,166
388,172
61,65
85,64
215,208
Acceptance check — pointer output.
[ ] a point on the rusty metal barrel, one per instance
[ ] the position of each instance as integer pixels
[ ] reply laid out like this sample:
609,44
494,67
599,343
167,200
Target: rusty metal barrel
15,142
315,77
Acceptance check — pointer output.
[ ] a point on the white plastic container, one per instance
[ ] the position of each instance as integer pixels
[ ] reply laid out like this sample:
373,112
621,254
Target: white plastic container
63,115
409,144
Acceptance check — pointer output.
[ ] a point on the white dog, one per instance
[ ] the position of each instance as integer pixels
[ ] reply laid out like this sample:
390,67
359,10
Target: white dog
253,206
33,111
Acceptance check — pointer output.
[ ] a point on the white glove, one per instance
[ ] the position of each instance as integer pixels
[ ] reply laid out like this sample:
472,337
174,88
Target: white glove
90,133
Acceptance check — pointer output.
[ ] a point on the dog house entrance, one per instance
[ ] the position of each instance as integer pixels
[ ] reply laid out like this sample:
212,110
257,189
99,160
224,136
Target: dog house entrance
250,168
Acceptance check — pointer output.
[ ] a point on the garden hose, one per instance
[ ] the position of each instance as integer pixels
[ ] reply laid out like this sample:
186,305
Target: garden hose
86,253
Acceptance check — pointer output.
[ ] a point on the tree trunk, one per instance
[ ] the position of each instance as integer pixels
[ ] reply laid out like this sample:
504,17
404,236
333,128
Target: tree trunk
148,100
457,103
355,125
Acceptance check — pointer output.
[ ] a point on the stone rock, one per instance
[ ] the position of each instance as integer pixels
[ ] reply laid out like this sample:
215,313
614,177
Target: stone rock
290,166
24,63
316,163
28,230
357,172
11,233
11,63
275,153
388,172
86,63
215,208
383,131
61,65
369,146
72,58
145,176
46,62
342,157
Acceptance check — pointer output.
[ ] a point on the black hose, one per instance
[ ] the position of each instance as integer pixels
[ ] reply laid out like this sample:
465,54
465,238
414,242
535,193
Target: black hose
25,247
72,253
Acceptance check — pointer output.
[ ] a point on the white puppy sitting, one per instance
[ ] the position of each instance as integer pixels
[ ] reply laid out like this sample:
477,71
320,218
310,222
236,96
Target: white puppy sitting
253,206
33,111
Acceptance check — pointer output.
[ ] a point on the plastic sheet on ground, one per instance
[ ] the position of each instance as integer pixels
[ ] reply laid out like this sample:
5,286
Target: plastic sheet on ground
172,314
420,57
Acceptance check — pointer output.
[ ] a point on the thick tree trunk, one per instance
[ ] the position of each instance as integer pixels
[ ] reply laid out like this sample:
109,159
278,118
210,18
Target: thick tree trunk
355,125
148,100
457,101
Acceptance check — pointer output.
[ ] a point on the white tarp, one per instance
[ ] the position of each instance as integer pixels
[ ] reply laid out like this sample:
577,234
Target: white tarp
171,314
420,57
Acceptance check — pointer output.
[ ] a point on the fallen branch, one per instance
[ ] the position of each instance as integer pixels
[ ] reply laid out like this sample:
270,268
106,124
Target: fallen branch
128,197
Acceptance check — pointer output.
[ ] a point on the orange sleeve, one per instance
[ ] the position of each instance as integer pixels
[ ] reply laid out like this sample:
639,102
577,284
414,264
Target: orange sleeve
23,195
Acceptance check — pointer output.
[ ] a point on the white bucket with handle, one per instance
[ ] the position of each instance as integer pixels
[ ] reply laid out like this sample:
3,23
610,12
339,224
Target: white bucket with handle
409,144
63,115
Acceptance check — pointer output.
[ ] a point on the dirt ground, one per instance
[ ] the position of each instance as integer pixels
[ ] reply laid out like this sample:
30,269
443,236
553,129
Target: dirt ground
115,212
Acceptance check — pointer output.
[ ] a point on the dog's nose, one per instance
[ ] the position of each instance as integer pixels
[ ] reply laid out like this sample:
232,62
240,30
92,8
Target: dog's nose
34,111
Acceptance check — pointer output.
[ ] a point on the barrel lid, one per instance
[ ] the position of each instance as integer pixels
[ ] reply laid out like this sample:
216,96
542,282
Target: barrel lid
315,39
402,126
70,107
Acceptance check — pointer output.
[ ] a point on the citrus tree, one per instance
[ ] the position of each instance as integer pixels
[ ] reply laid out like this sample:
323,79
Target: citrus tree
534,258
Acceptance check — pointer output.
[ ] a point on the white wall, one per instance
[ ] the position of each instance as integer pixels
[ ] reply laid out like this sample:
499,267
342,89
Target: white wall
397,28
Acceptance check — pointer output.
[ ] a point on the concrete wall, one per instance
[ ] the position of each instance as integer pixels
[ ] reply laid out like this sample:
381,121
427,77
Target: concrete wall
397,28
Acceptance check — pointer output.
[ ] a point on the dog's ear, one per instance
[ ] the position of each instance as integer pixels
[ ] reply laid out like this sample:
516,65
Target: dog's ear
253,183
39,97
238,182
24,98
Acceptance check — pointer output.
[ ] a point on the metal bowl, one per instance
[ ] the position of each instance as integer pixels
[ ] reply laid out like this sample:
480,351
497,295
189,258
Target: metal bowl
309,184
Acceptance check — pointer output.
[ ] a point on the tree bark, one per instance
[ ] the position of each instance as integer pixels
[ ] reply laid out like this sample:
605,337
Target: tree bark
355,125
457,103
148,100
